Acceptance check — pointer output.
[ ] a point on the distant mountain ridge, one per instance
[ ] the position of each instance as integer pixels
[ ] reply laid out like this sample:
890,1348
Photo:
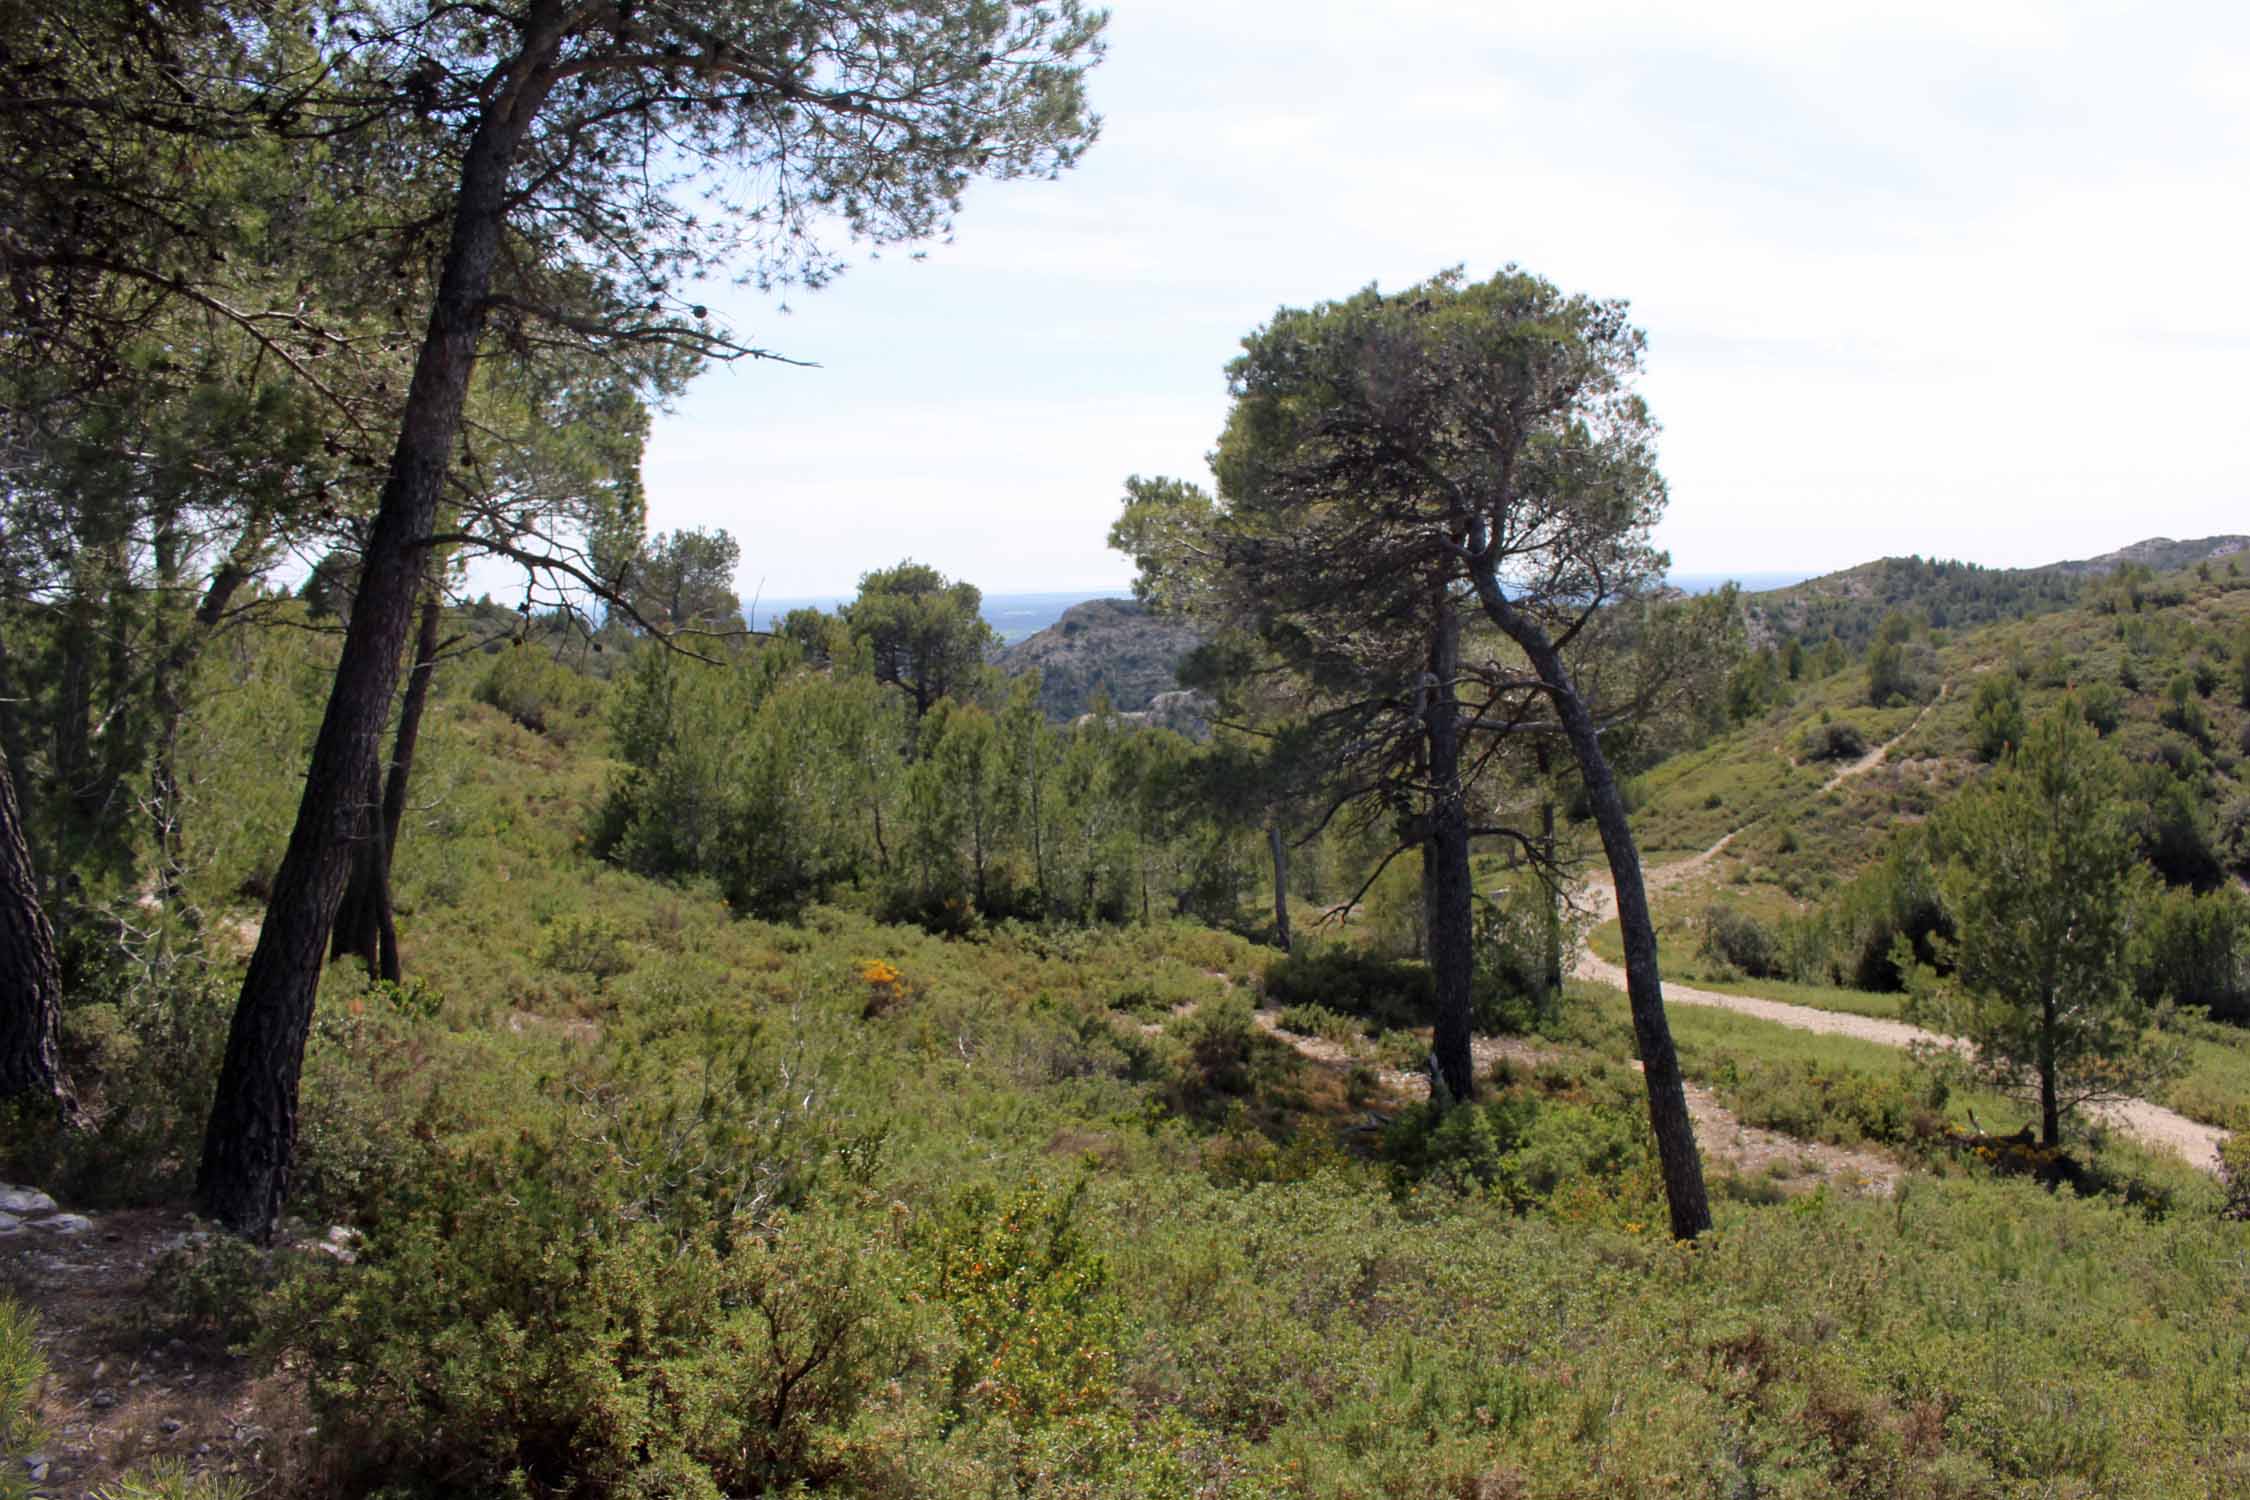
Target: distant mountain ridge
1850,604
2158,552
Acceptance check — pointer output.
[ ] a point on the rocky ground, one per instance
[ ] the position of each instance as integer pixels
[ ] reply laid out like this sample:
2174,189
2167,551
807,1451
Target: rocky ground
122,1394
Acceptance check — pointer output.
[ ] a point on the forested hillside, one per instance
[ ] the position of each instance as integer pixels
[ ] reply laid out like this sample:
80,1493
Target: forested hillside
818,1195
1822,876
1850,605
477,1021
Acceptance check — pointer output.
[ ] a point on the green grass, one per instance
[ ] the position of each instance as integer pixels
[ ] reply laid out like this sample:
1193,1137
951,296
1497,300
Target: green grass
1681,964
2216,1087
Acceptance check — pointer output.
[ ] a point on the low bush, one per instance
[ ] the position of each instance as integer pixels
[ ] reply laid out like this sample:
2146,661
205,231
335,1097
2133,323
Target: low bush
142,1036
1841,1105
1839,739
23,1372
1520,942
2234,1174
1218,1037
1740,942
573,1345
1523,1148
541,694
1320,1021
1382,992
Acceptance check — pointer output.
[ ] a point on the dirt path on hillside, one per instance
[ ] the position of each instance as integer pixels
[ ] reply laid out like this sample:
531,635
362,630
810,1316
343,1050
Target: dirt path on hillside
2151,1124
1783,1161
1875,757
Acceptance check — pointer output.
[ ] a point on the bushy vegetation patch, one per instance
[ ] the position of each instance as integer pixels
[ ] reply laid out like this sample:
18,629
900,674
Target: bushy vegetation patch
1381,992
542,694
1736,940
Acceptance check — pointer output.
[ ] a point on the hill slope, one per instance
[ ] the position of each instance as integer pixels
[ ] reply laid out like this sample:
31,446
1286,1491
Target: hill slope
1851,604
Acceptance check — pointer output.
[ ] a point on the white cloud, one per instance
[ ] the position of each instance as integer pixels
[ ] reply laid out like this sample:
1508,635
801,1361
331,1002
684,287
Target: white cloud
1918,276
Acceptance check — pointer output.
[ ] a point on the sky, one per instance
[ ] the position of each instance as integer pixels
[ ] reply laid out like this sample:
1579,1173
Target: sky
1956,277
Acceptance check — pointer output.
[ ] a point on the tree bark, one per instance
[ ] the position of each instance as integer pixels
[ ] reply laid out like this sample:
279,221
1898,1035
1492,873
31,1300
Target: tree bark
366,925
1445,863
1279,848
11,736
30,977
1677,1158
252,1131
357,930
2050,1107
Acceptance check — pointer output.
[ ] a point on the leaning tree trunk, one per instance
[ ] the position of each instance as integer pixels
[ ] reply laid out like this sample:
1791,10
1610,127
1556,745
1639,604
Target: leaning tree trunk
366,926
1668,1115
1445,865
30,978
252,1131
357,930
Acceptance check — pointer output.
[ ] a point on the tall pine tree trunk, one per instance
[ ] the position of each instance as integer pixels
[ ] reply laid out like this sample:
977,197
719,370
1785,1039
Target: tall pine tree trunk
1445,862
1677,1159
252,1131
366,927
30,978
11,735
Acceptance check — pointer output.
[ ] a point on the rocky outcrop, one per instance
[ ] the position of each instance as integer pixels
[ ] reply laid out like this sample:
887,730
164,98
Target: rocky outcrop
1184,712
1112,645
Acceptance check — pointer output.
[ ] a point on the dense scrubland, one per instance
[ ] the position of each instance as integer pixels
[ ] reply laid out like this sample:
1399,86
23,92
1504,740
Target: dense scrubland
618,1055
675,1181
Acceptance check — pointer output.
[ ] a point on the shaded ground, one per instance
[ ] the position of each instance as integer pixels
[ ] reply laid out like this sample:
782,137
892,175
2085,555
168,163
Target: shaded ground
117,1397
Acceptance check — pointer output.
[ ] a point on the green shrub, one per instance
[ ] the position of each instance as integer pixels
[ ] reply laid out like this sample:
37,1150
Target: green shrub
213,1294
1382,992
1740,942
1838,1104
1513,942
567,1344
1837,740
1999,714
1218,1036
142,1042
591,946
1517,1145
172,1479
1320,1021
1154,991
2192,950
2103,706
1037,1325
1897,898
2234,1173
1573,1145
1462,1147
541,694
